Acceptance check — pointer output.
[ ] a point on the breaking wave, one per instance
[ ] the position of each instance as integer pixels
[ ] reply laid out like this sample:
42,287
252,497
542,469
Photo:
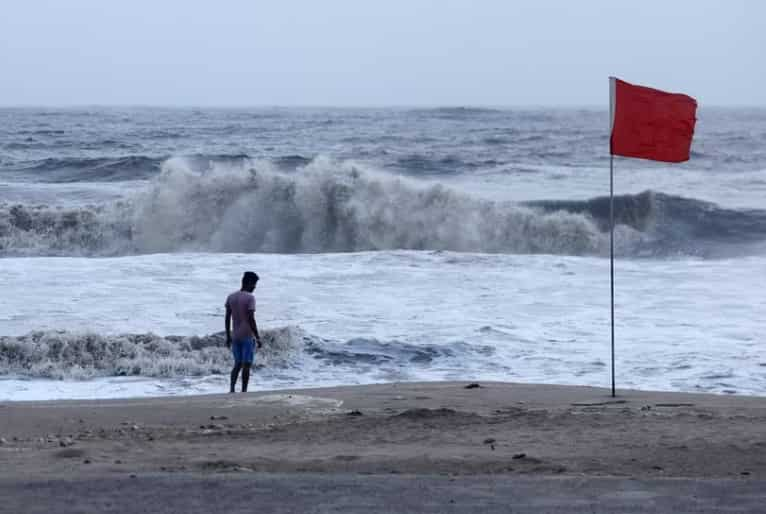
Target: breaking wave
329,206
71,355
679,225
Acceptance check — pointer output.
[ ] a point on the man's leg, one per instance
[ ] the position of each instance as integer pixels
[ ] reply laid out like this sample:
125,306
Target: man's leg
248,354
245,376
234,375
236,352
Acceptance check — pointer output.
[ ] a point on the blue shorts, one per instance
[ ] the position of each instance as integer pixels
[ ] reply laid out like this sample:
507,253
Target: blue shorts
243,350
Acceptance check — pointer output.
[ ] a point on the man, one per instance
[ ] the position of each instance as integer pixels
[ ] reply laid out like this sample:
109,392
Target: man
240,307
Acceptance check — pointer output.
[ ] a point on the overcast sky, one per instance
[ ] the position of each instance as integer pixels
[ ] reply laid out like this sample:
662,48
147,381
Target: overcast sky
377,52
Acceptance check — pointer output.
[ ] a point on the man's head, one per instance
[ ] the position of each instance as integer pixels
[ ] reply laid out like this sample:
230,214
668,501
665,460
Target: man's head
249,280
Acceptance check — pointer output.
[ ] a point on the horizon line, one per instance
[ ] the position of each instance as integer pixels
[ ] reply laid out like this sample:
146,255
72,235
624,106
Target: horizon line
331,106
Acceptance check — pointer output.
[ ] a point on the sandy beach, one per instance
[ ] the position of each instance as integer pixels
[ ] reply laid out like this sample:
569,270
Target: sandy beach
412,444
434,428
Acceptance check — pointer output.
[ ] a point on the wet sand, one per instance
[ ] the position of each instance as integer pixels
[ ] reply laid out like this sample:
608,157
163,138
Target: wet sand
301,493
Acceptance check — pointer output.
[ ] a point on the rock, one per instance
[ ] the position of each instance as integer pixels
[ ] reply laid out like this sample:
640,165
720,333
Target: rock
86,461
70,453
419,414
132,475
135,427
473,385
355,412
3,441
221,418
489,440
520,456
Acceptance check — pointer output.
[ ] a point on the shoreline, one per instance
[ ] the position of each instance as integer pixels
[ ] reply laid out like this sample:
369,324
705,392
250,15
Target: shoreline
396,428
600,390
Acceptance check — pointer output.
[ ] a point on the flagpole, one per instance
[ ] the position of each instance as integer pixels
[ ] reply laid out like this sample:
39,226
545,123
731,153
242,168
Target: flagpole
612,101
611,251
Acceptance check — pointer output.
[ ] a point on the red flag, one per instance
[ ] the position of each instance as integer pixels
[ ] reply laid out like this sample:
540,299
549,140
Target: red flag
651,124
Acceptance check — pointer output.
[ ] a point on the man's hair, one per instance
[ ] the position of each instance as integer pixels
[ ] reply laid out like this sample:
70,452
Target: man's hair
250,277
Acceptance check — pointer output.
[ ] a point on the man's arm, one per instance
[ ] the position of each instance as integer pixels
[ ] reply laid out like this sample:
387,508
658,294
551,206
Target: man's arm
228,326
254,327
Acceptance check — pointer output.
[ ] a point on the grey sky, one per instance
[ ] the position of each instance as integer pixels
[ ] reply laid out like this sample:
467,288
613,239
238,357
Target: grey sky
380,52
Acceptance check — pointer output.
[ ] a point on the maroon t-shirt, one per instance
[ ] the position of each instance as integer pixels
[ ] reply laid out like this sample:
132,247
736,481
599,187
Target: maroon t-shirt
241,303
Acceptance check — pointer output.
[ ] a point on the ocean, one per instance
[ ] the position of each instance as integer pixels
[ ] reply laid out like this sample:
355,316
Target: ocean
392,245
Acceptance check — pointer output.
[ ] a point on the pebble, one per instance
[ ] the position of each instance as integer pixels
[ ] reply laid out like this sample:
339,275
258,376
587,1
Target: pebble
3,441
519,455
489,440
